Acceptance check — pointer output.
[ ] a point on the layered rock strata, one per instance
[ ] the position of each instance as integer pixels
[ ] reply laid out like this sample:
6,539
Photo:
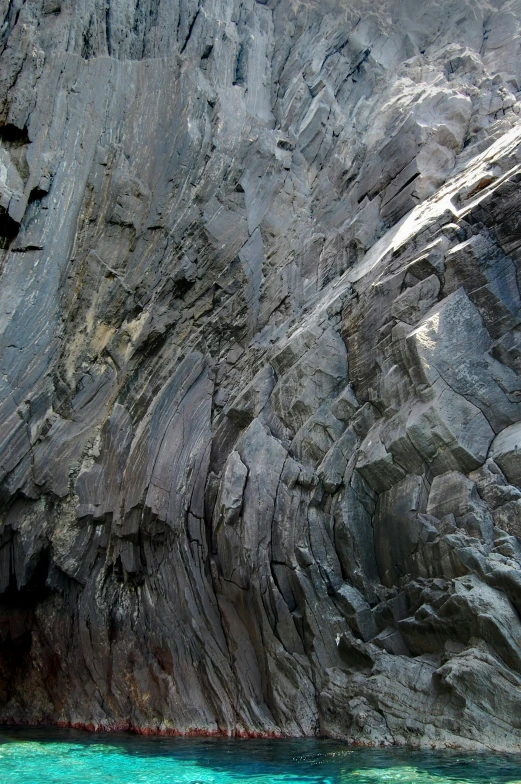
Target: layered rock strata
260,392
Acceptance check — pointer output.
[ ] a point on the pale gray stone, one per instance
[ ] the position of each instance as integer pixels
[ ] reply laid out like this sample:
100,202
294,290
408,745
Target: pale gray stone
506,452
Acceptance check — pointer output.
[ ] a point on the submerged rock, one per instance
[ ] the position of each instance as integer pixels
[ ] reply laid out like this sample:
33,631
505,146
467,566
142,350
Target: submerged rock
260,381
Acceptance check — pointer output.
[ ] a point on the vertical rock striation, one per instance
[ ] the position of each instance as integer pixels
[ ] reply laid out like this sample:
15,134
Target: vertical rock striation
260,389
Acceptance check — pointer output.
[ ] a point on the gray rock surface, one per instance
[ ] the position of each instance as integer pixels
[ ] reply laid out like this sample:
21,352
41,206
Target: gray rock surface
260,389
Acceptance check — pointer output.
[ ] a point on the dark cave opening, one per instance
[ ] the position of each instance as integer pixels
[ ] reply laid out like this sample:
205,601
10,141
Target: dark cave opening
13,135
17,619
8,229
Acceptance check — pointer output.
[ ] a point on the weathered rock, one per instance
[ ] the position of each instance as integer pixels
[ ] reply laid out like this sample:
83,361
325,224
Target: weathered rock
455,494
260,357
506,452
397,527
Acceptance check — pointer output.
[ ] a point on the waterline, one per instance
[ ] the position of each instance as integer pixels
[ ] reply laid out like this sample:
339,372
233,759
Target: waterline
68,757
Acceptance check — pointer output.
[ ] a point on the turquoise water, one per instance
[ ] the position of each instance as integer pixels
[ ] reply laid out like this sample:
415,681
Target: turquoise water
68,757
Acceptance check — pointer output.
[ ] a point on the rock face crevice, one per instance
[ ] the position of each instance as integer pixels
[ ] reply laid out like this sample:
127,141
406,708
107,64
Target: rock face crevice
260,391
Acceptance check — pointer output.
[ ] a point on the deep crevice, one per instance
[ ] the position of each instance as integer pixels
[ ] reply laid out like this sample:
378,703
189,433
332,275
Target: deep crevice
36,195
182,287
190,30
240,67
108,31
12,135
8,229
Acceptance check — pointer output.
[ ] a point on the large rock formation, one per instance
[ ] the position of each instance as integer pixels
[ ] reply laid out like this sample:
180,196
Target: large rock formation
261,367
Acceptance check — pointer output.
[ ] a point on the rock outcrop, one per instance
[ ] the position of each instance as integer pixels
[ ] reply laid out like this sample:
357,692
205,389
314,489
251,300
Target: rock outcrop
260,390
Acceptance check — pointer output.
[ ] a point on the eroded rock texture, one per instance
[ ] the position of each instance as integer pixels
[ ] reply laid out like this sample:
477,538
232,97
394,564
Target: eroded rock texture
260,383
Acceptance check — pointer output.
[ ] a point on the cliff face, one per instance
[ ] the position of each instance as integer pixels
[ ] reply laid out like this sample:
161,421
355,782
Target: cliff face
260,393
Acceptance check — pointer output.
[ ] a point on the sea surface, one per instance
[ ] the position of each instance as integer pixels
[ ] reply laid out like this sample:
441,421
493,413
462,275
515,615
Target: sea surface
50,756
